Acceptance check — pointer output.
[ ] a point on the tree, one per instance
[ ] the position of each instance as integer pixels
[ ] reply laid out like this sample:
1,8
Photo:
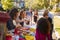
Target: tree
7,4
57,6
40,4
35,4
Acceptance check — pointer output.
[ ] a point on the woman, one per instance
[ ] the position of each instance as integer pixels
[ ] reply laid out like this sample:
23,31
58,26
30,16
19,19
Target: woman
11,23
21,17
43,29
50,20
35,15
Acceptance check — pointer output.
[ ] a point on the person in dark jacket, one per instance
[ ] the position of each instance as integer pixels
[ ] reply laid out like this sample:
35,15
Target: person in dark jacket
11,23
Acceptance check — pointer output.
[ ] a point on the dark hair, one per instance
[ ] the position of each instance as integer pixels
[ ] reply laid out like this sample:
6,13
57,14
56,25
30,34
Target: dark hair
21,14
45,14
36,12
13,12
43,25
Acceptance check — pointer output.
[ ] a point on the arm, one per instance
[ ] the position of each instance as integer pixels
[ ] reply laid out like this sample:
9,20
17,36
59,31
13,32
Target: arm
37,35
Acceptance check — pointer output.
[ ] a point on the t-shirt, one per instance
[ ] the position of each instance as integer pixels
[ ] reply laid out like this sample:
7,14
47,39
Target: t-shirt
29,13
50,15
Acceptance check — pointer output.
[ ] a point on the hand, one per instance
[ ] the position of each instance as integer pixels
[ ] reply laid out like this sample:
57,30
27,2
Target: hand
18,25
22,19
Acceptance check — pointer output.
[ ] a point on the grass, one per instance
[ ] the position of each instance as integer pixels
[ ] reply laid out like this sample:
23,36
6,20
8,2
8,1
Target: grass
58,30
57,24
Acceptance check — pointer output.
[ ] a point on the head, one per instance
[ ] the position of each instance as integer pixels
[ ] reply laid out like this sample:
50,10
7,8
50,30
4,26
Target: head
21,14
46,11
30,10
45,14
43,25
36,11
13,13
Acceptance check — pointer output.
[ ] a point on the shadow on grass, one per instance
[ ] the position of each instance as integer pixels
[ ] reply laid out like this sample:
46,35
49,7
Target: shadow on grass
58,30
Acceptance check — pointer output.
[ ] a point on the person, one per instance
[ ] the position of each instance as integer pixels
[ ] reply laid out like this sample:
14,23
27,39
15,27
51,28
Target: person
29,15
49,14
11,23
47,17
35,15
21,17
51,22
43,29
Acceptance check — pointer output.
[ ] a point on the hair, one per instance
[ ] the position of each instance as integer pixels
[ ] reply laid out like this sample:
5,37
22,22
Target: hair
36,12
13,12
21,14
45,13
43,25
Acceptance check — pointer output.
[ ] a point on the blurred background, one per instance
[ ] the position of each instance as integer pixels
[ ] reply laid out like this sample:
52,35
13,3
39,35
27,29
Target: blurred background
41,5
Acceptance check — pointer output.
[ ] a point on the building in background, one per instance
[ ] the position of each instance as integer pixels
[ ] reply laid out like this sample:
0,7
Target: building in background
19,3
22,4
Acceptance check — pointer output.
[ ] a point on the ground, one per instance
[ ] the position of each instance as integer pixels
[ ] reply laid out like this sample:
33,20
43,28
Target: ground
57,24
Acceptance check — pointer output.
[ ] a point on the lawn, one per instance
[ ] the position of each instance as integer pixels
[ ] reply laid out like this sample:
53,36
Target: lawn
57,24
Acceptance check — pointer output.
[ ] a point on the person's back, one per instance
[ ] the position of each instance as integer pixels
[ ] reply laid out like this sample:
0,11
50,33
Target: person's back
43,29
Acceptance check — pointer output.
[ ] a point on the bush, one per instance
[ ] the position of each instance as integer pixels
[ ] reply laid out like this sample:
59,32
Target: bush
1,9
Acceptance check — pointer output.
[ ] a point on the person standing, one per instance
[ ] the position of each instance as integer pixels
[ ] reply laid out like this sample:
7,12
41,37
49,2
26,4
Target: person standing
51,22
35,15
29,15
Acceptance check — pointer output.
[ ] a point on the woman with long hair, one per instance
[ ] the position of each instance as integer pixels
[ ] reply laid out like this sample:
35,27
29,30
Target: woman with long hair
35,15
22,16
43,29
11,23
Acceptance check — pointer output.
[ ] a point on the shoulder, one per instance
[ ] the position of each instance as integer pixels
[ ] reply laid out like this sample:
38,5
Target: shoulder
50,14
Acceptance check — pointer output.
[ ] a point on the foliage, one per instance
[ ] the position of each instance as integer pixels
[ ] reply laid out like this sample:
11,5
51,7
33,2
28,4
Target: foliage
35,4
41,4
7,4
1,9
57,9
